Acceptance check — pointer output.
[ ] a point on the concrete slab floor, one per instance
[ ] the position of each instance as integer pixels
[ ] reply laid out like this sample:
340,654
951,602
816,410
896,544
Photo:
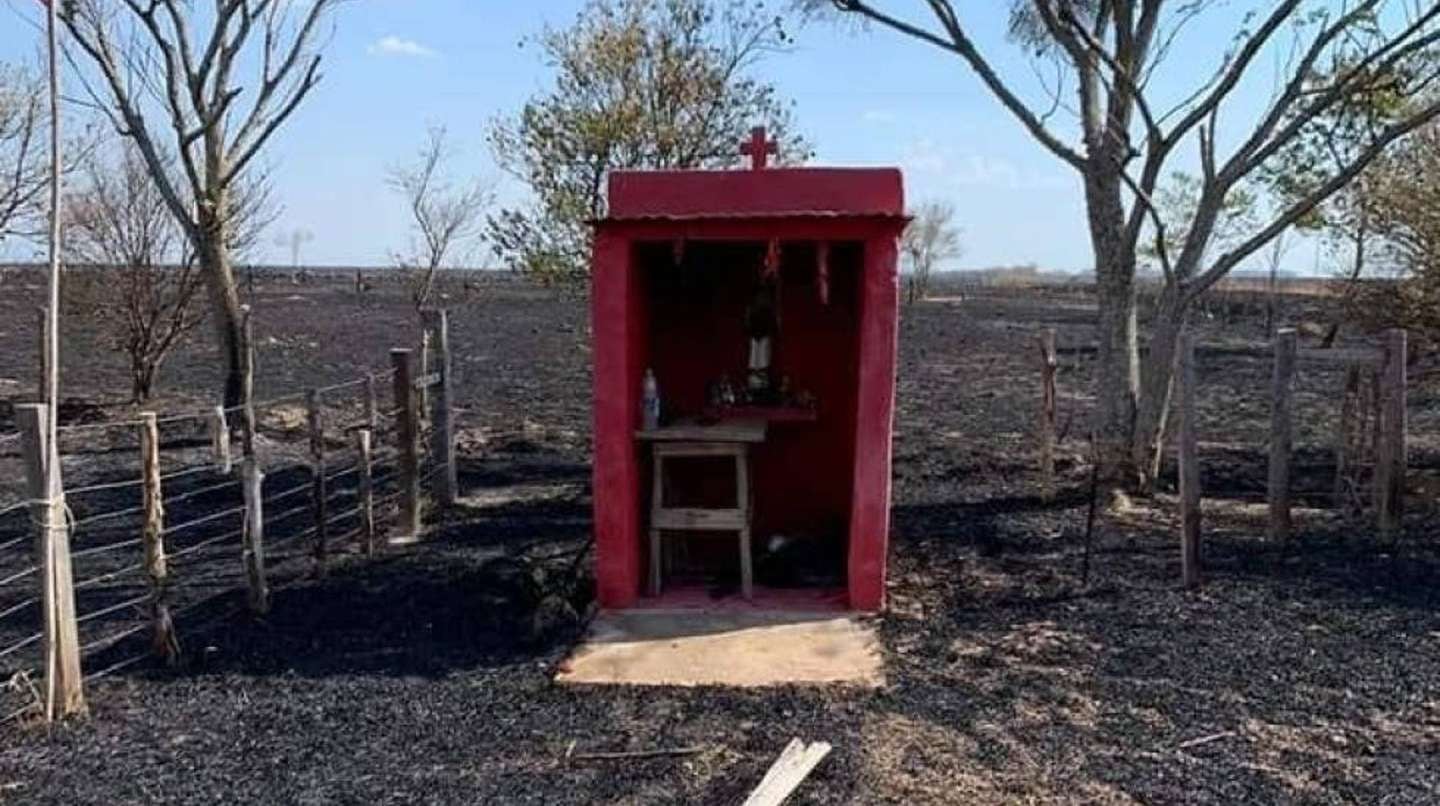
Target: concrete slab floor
725,648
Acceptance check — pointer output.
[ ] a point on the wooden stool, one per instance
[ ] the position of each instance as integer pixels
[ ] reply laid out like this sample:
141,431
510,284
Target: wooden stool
723,440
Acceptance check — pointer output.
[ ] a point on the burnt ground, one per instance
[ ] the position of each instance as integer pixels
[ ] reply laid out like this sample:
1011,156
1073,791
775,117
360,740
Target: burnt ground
1299,673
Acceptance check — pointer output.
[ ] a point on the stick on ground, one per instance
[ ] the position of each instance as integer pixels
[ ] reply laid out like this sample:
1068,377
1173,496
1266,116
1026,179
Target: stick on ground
624,754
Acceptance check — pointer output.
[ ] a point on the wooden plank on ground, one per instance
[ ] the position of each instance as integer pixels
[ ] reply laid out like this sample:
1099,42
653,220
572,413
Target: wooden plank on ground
788,772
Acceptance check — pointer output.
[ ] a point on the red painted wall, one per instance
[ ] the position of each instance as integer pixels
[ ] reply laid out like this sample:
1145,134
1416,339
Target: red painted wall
832,475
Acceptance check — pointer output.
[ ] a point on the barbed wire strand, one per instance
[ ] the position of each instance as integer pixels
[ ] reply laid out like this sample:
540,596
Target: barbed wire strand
105,611
188,550
93,488
20,575
106,516
75,555
106,643
109,575
21,644
202,491
17,608
214,516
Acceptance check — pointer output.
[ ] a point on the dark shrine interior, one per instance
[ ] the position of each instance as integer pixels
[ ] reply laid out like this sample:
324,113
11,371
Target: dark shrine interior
700,299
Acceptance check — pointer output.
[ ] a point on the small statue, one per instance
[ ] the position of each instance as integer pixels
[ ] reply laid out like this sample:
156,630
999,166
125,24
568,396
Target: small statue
761,324
725,395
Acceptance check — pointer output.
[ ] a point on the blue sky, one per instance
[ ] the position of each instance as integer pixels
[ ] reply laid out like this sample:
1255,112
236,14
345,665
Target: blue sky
863,97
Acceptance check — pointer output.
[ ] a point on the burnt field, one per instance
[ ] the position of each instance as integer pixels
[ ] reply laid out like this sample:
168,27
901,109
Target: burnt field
1308,672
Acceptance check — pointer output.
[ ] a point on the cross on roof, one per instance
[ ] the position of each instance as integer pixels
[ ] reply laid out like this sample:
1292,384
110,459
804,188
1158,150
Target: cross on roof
758,148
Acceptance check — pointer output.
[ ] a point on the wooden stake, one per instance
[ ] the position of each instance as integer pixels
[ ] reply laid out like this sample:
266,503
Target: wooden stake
247,386
42,394
1281,436
1351,410
220,441
1390,460
163,641
1048,366
372,404
254,550
367,490
407,442
426,337
1189,468
64,688
314,407
442,437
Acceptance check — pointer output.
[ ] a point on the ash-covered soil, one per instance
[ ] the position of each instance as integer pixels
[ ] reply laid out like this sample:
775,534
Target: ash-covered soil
1300,673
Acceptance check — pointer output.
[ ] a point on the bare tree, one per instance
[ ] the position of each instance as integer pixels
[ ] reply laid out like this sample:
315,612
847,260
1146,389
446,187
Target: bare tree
1129,134
444,213
931,239
23,163
25,152
169,77
132,270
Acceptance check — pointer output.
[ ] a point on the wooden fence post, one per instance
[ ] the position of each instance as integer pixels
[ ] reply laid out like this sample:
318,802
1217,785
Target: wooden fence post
372,404
43,331
1048,365
1390,460
316,417
366,490
426,340
247,388
163,641
407,437
64,686
254,550
220,441
442,435
1346,453
1281,433
1189,468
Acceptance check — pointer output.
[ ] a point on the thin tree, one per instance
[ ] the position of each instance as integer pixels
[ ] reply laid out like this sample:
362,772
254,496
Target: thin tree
23,158
132,272
444,213
205,90
638,84
930,240
25,153
1129,135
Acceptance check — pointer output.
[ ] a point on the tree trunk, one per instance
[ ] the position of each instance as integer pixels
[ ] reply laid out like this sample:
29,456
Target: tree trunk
1156,386
142,380
225,308
1117,353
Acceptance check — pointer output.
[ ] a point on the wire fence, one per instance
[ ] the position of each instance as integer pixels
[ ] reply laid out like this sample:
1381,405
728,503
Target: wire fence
311,489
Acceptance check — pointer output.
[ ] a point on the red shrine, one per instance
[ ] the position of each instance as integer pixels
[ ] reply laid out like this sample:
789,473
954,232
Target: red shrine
744,347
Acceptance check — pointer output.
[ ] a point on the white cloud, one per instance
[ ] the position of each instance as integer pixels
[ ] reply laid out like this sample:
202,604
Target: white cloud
396,46
965,168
